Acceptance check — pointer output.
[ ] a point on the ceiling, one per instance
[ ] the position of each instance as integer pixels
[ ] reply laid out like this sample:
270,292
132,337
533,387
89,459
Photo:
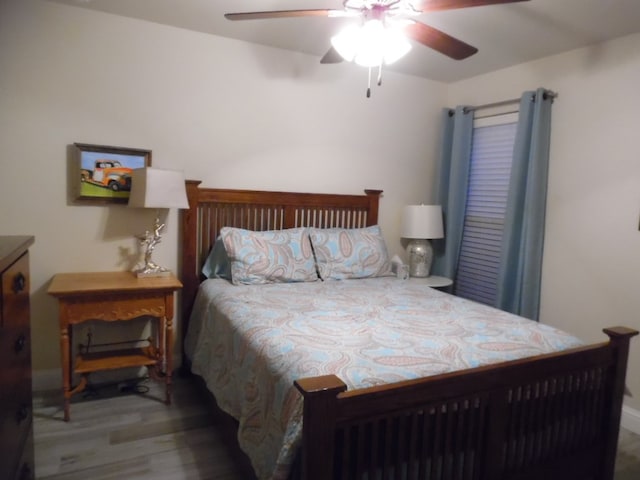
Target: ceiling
504,34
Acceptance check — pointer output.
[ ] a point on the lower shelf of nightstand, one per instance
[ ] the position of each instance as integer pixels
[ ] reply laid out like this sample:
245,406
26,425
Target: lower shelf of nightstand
131,357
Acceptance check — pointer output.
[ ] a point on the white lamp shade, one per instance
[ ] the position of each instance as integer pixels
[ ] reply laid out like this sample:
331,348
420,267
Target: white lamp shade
422,222
158,188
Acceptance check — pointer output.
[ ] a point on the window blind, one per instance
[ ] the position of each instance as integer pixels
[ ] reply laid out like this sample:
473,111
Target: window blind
491,158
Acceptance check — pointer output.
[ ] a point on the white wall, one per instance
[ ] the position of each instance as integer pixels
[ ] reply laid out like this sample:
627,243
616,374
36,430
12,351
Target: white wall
591,269
231,114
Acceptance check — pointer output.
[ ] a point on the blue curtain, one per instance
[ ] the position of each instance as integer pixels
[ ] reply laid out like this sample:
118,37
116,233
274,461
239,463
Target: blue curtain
519,275
451,187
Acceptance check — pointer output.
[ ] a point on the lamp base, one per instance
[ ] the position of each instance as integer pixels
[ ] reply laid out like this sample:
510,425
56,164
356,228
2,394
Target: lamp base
144,272
148,241
420,254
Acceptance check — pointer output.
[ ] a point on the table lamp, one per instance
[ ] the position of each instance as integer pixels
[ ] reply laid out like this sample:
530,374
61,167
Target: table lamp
420,223
155,188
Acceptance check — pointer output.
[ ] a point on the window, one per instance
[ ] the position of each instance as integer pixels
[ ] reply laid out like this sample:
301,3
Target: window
491,158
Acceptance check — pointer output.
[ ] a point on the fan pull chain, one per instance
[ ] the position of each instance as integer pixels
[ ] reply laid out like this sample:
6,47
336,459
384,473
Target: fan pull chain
379,81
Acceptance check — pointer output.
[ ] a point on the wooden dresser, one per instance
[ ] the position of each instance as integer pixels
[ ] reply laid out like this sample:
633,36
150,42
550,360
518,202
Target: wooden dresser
16,430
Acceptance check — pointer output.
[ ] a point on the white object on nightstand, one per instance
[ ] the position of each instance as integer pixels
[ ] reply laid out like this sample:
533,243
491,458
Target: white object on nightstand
433,281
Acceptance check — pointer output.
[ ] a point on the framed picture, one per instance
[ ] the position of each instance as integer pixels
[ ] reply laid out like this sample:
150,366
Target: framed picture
104,173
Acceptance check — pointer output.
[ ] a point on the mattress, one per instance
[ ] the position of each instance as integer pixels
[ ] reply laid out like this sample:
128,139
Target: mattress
250,342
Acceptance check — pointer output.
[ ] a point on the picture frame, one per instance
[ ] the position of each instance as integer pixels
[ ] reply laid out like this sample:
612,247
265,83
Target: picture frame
104,172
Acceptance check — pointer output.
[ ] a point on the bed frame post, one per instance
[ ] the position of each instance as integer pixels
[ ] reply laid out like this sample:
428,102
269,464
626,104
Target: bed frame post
619,338
374,200
318,424
190,276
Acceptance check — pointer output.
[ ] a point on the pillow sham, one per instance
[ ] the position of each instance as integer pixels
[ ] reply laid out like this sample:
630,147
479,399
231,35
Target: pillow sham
217,264
350,253
273,256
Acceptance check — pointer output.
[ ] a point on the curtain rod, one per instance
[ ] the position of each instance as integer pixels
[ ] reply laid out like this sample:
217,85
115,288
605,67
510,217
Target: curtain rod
480,117
548,93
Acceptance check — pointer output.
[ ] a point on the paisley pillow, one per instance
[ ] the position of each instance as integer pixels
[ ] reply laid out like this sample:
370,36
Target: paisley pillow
273,256
350,253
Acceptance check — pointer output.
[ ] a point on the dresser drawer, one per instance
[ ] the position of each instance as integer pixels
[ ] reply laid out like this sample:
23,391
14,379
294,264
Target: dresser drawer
16,417
15,352
26,465
15,432
17,460
15,334
15,339
15,294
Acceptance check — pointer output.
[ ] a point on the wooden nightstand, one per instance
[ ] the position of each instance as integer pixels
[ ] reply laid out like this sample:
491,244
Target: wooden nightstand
114,296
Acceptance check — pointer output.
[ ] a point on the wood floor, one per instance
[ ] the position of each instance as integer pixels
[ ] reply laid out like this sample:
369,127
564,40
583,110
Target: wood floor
136,437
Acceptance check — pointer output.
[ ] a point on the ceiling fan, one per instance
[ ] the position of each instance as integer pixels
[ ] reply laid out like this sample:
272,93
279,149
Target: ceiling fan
390,12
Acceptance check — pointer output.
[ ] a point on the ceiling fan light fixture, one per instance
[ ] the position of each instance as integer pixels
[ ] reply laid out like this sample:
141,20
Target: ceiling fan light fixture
371,44
346,42
396,46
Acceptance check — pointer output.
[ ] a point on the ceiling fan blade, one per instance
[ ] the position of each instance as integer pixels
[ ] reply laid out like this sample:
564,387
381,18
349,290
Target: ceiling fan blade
440,41
332,56
277,14
435,5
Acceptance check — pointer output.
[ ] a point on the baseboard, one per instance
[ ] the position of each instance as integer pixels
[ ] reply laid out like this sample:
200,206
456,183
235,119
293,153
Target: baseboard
630,419
46,380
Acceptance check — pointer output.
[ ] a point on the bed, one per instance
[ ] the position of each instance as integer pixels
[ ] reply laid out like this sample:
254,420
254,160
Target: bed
547,413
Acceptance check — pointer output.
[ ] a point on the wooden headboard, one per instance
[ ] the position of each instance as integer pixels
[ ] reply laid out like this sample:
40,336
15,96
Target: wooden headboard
210,209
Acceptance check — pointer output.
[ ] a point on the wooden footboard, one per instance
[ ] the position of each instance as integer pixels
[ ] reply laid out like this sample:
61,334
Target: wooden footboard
555,416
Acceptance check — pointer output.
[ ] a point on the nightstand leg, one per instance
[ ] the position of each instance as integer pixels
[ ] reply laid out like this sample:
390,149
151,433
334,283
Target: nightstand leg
162,345
66,366
169,358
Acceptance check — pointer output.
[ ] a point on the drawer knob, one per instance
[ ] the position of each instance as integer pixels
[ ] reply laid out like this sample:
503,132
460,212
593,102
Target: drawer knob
19,282
20,343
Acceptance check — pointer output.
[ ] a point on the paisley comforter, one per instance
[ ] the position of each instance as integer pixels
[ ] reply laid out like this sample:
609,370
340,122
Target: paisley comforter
250,342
